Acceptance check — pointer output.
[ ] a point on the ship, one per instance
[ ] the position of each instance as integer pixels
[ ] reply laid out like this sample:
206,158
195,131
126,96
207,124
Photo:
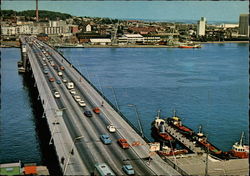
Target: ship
158,130
239,150
167,151
177,123
203,142
189,45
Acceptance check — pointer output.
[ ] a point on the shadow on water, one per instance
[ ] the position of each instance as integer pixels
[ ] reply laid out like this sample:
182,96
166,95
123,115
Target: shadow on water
49,156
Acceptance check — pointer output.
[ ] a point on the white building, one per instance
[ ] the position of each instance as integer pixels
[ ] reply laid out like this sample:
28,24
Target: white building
201,27
131,38
244,24
8,30
88,28
101,41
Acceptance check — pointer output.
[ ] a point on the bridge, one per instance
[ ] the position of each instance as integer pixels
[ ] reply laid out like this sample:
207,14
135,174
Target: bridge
75,136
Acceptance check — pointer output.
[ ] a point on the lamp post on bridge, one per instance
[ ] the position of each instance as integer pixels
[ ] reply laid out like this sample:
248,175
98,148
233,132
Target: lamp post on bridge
59,113
138,118
116,102
71,153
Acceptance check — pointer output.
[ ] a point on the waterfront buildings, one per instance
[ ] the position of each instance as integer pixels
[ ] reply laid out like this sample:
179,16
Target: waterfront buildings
244,24
201,27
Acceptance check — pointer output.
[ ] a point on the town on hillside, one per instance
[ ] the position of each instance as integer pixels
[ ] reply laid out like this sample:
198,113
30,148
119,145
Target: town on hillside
60,29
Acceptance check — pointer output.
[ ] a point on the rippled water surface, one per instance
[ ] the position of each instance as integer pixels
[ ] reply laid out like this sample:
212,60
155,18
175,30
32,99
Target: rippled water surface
207,86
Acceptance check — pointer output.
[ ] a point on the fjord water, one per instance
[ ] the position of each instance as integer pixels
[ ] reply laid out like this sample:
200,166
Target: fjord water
207,86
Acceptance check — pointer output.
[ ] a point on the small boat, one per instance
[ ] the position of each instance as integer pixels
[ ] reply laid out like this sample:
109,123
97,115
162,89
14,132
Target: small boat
158,129
239,150
189,45
167,151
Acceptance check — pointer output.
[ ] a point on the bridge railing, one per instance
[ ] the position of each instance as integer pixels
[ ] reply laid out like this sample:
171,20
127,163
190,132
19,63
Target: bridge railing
107,100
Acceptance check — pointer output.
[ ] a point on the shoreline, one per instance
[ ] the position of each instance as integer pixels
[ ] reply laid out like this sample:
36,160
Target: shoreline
136,46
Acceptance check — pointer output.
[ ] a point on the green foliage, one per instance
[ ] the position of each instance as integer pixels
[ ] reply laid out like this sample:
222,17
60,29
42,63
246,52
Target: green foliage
32,13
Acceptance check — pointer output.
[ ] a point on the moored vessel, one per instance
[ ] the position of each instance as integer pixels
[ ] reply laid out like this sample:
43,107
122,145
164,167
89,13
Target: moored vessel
239,150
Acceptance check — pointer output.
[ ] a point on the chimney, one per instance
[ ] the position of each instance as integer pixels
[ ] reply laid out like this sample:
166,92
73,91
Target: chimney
37,10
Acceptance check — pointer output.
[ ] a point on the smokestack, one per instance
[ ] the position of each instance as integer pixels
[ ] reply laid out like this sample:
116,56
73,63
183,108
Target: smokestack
37,10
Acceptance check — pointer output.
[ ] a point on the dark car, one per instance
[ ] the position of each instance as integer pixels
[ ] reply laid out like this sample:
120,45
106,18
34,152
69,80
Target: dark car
88,113
58,81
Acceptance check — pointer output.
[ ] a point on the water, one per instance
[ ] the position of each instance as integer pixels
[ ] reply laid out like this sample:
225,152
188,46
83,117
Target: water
207,86
18,137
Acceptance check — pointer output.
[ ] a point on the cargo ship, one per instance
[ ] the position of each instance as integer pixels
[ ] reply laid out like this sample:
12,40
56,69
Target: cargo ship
158,130
239,150
177,124
202,140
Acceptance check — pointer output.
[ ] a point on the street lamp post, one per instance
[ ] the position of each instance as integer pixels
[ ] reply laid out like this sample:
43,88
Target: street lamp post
138,118
70,153
116,102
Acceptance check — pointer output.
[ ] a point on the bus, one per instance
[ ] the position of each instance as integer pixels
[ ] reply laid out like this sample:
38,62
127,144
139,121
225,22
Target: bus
102,169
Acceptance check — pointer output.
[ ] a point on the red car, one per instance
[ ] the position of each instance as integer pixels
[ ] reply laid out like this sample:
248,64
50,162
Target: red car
96,110
123,143
51,79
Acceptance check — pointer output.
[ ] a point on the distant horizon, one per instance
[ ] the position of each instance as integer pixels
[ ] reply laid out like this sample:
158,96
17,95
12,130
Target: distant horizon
158,11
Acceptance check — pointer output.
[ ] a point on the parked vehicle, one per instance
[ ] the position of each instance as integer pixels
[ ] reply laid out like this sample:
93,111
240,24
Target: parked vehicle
128,169
111,128
105,139
123,143
88,113
96,110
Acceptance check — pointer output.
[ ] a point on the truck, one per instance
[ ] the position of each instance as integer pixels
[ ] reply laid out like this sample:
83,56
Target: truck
70,85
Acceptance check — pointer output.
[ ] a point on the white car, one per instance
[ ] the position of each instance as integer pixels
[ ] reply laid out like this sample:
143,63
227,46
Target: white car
64,80
60,73
81,103
77,98
72,91
111,128
57,94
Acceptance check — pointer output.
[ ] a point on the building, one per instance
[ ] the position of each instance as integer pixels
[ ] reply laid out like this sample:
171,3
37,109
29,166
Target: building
201,27
100,41
8,30
88,28
131,38
244,24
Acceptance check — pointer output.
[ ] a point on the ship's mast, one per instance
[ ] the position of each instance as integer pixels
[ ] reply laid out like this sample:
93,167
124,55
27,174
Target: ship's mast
241,139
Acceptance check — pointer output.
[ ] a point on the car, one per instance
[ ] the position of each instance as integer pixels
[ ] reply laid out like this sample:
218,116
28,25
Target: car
111,128
72,91
88,113
58,81
96,110
57,94
77,98
64,80
45,71
128,169
123,143
43,58
82,103
62,68
105,139
51,79
60,73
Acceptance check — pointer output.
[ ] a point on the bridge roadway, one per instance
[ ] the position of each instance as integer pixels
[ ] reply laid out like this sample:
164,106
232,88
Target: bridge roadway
82,134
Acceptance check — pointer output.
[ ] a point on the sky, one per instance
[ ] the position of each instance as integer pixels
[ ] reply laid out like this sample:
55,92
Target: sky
179,11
